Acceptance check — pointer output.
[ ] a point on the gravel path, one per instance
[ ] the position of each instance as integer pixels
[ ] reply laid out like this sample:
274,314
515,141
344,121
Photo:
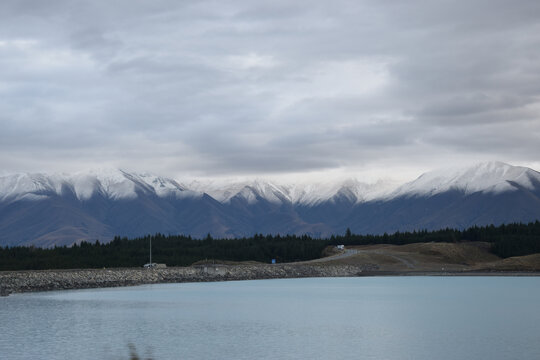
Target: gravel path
344,254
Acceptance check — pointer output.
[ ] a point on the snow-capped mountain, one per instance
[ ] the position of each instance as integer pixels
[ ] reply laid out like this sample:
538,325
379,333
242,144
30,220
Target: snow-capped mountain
307,194
250,191
110,183
53,209
118,184
487,177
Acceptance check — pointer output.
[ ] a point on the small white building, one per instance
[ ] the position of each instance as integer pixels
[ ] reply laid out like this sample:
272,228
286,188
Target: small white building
154,266
340,247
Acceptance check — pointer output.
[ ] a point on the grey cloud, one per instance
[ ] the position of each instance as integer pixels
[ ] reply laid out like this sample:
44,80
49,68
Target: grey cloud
517,143
471,104
226,87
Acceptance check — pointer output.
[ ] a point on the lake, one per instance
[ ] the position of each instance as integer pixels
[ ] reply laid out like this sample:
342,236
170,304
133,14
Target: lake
318,318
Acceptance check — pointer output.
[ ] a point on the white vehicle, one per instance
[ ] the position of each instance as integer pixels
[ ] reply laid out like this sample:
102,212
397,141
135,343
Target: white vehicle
149,265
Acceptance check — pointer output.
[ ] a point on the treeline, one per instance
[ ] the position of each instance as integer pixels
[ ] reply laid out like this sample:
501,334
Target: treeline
506,240
178,250
173,250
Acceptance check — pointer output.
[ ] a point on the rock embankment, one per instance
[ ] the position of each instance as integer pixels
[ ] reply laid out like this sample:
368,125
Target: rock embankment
26,281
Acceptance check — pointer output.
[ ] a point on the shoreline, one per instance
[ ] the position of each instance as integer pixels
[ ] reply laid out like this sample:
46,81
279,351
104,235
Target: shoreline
71,279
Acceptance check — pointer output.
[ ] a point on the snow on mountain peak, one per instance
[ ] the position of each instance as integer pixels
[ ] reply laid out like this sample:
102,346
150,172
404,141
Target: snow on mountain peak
307,194
249,190
111,183
161,186
26,186
491,177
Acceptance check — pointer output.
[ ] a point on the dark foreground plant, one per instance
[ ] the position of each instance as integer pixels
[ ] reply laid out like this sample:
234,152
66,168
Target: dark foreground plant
133,353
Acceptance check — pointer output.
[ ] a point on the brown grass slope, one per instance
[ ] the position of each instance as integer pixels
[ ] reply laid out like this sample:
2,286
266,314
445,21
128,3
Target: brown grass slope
474,256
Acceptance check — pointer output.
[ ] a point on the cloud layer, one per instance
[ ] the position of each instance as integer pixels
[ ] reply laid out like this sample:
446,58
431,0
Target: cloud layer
224,88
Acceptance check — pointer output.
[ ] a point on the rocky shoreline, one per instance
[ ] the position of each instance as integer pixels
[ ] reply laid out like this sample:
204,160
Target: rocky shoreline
45,280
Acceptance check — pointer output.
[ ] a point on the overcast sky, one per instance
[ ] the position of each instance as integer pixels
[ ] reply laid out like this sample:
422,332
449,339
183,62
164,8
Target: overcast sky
268,88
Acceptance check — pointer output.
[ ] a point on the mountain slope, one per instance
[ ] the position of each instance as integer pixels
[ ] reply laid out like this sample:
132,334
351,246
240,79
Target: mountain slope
487,193
61,209
488,177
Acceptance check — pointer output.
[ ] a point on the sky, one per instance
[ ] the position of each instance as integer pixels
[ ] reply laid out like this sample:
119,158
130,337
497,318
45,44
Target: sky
286,89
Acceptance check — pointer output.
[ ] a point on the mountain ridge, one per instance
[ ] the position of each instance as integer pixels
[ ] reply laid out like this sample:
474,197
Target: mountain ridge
61,209
117,183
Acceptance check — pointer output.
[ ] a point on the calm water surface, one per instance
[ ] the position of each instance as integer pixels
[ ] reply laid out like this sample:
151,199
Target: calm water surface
331,318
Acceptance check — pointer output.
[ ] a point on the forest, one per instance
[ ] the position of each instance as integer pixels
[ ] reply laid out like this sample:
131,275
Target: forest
179,250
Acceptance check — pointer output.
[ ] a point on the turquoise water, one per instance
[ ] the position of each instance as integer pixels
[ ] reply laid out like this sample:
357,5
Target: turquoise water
329,318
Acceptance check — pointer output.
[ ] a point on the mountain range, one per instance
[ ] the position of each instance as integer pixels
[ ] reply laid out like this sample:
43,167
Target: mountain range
62,209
